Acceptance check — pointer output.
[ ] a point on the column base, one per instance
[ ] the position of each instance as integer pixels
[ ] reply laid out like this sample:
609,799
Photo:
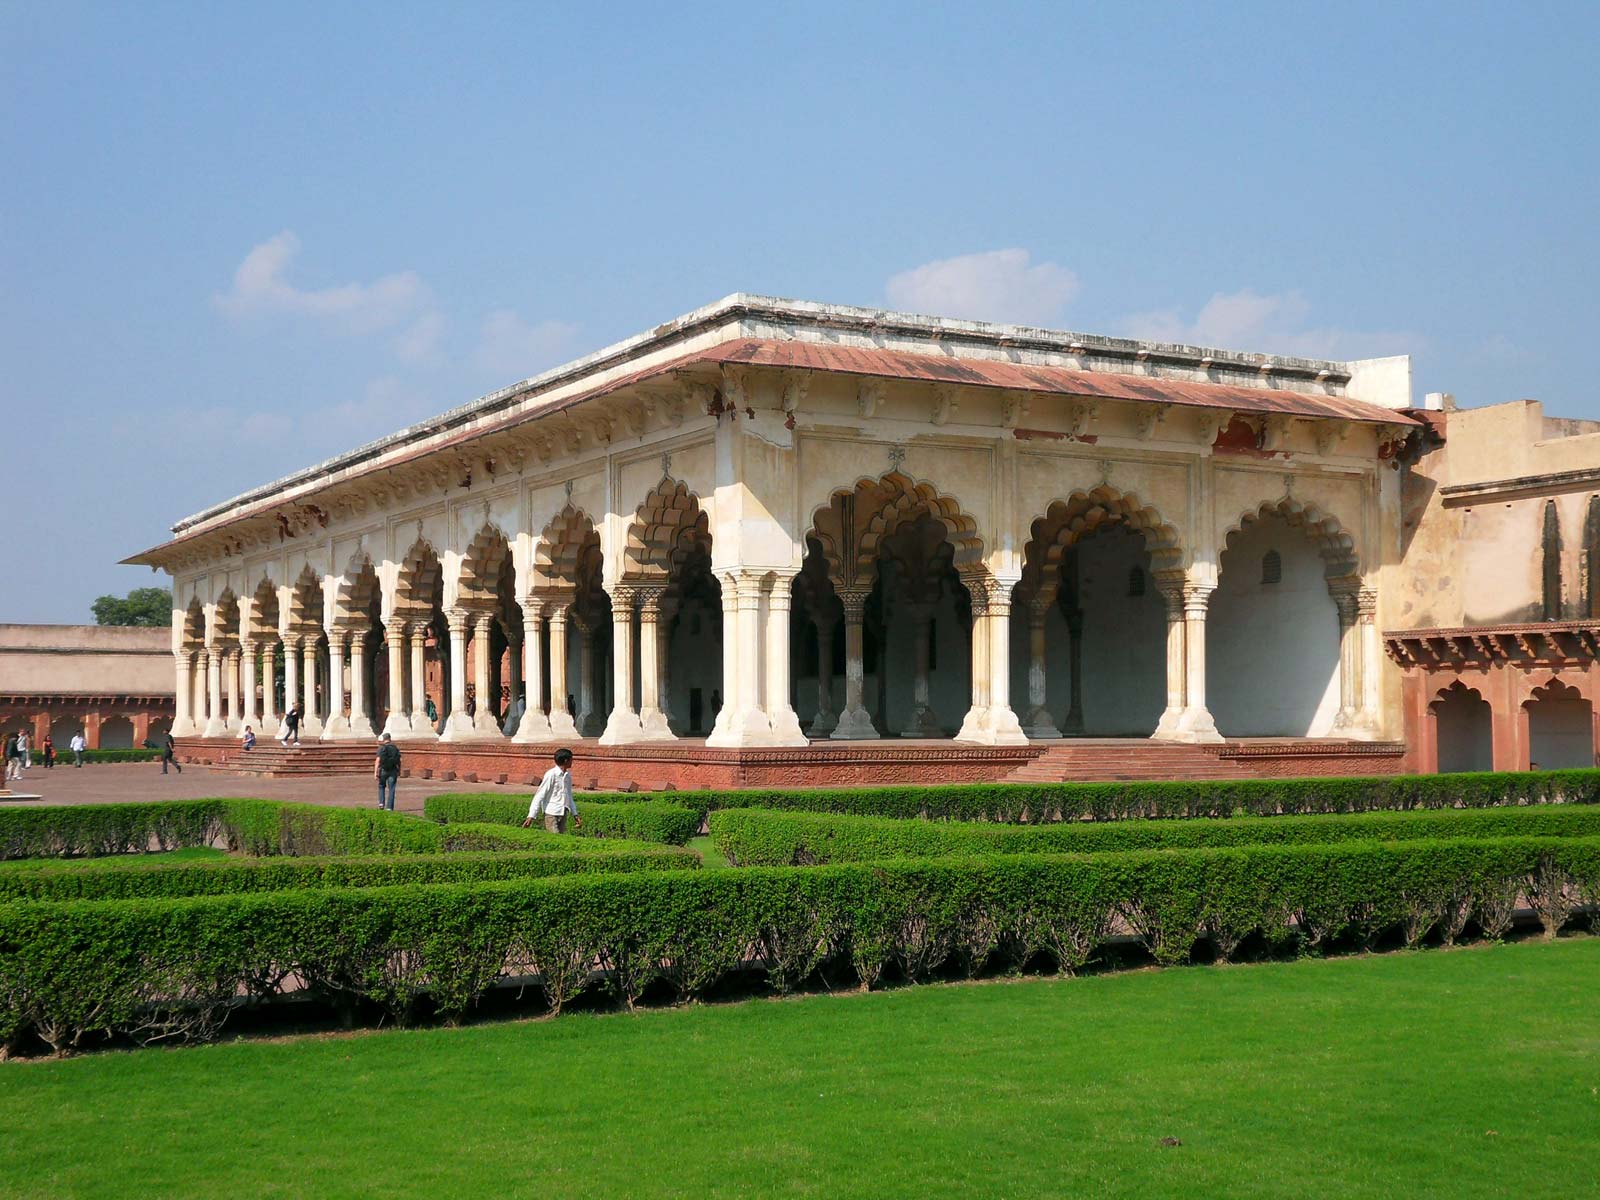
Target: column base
1041,725
786,729
1358,727
590,725
748,727
350,729
422,729
656,727
215,727
310,728
972,725
485,725
997,726
185,728
854,725
534,727
458,728
622,729
563,726
923,723
823,724
1196,725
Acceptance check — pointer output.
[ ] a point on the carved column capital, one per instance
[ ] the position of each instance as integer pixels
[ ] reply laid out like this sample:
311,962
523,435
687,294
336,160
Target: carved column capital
623,596
650,597
1196,599
1367,604
855,603
458,619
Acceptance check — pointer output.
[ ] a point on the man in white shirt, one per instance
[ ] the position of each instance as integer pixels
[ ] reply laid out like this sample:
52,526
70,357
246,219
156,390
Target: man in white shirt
554,796
79,744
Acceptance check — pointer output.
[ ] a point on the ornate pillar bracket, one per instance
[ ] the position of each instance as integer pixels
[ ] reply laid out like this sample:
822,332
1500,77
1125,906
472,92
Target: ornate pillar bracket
855,722
622,726
1040,723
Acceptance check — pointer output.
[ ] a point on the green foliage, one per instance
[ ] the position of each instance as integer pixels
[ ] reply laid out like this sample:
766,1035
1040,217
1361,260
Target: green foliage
644,820
764,838
136,754
1043,803
73,971
121,878
258,828
150,607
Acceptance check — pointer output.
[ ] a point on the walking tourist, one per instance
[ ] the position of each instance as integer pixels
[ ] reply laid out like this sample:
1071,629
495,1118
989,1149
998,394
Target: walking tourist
386,770
25,750
13,759
291,726
168,747
554,797
47,751
79,744
249,738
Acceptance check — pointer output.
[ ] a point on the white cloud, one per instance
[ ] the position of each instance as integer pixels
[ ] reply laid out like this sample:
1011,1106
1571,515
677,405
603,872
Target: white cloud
508,345
999,285
1273,323
418,342
259,287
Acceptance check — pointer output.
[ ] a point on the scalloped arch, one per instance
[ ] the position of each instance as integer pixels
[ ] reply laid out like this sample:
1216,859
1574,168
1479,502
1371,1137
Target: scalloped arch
264,610
480,565
1083,513
851,535
1554,689
667,528
1333,542
1455,692
305,602
560,547
357,587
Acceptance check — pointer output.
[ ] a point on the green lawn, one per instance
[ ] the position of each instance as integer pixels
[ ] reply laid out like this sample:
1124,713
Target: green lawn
706,848
1446,1073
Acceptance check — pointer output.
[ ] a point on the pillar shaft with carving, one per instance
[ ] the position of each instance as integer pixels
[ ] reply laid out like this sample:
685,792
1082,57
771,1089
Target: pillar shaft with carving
1170,584
483,717
562,724
781,718
310,718
1197,724
247,663
622,725
1040,723
458,724
652,716
397,723
534,725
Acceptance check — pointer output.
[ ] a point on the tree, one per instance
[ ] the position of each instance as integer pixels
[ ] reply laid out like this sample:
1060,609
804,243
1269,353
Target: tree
149,607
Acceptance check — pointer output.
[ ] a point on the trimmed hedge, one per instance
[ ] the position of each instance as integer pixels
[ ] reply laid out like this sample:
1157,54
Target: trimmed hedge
763,838
158,969
258,828
122,878
643,820
1043,803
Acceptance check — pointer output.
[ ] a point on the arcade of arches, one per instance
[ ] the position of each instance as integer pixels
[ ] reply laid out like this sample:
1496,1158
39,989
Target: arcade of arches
893,624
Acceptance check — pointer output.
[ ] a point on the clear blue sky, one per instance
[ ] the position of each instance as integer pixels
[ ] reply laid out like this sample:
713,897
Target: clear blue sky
219,225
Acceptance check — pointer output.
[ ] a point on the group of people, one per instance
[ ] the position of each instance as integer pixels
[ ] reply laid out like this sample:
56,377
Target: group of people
19,752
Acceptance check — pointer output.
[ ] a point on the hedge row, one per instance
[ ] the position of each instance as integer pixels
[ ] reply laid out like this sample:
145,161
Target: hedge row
258,828
155,969
125,878
763,838
642,820
1042,803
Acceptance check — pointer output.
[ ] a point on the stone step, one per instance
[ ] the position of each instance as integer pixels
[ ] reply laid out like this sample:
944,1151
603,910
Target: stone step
1110,762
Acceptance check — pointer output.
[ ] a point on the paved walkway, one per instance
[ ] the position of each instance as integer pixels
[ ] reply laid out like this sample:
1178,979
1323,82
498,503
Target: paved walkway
105,783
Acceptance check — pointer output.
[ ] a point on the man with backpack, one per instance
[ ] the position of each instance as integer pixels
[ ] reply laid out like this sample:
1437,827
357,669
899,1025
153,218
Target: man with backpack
386,770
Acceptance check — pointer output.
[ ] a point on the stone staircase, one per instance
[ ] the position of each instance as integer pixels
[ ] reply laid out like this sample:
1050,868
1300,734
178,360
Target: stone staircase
269,760
1107,760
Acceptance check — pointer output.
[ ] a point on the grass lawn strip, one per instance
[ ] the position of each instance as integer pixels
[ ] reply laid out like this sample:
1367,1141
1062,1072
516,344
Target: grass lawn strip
1470,1073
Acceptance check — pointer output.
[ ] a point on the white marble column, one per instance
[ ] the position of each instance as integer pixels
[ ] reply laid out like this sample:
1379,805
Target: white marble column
360,718
721,728
590,722
826,719
652,717
855,722
513,677
742,722
622,726
291,675
1072,724
923,721
230,686
561,723
668,609
1197,724
269,685
183,694
1167,729
216,721
1040,723
310,718
458,725
397,724
1002,726
535,725
1368,723
247,663
781,718
337,724
483,719
1345,604
973,724
417,647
